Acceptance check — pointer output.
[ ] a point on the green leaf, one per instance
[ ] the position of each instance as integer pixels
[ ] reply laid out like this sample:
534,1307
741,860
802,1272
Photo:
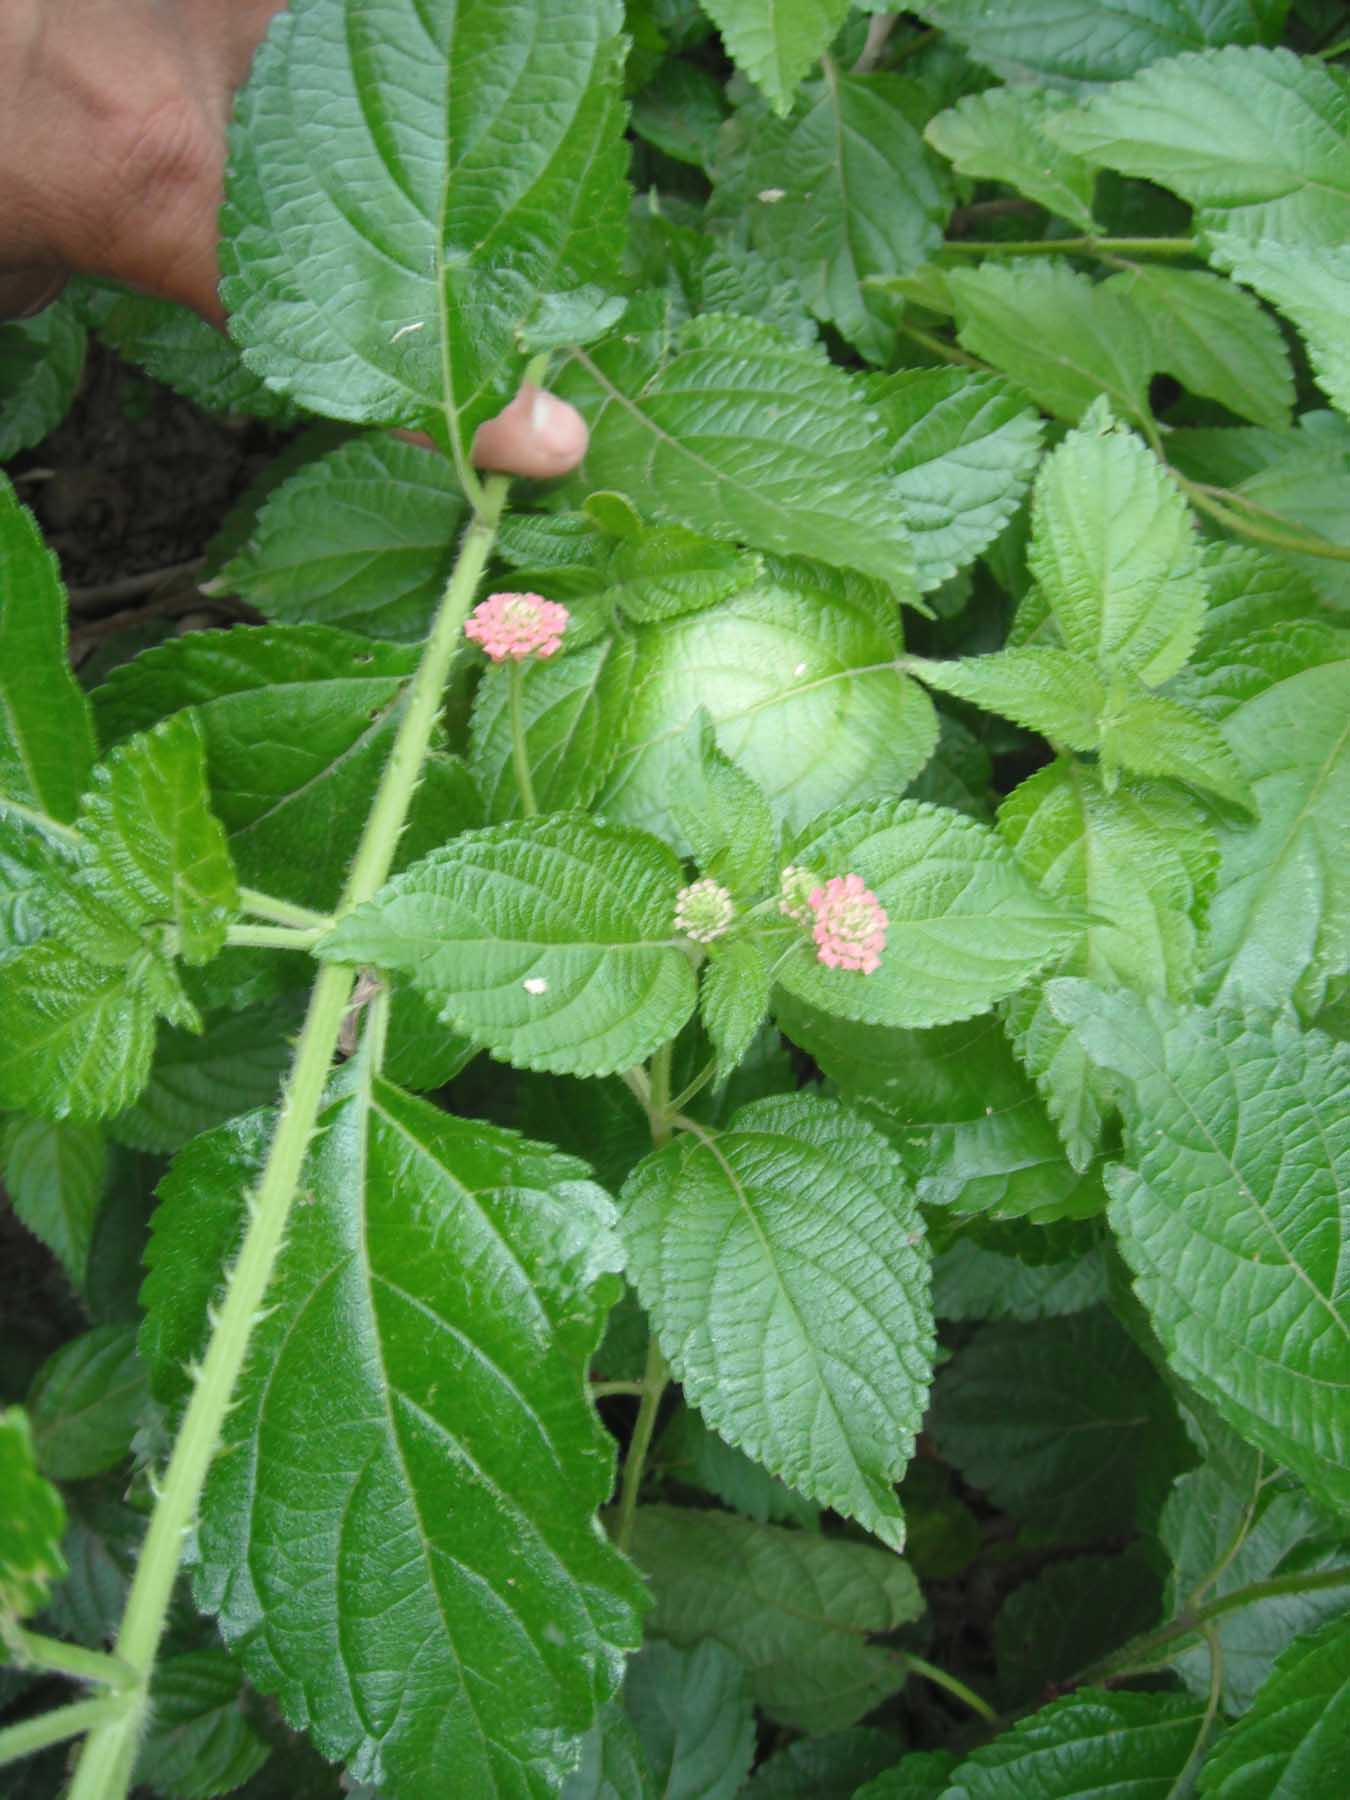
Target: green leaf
799,676
1293,1740
1140,862
1222,1537
1054,334
722,813
1233,1132
1255,139
41,362
420,1053
1114,549
32,1522
692,1712
734,999
444,1290
920,1776
86,1402
1063,1423
1249,591
776,45
694,1455
573,710
1279,923
744,435
1051,691
781,1264
680,111
963,448
327,704
823,1768
1310,284
1149,735
46,742
969,1126
965,926
612,1765
997,135
796,1608
77,1041
54,1177
1086,1746
381,252
157,853
666,570
959,773
857,195
1068,1616
1018,1272
197,1742
550,942
360,538
1214,338
1071,42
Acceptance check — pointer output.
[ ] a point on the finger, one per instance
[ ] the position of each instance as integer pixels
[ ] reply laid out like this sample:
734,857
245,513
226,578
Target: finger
536,435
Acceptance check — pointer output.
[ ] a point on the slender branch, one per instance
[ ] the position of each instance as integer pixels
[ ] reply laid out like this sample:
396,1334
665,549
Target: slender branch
276,937
126,587
941,1678
654,1379
62,1722
947,352
879,28
281,912
520,752
658,1105
1185,1781
1200,494
695,1087
1074,246
601,1390
33,1650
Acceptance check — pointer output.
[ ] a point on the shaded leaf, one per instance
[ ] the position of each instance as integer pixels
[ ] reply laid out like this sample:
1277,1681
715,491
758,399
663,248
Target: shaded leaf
823,1768
197,1742
997,134
1293,1740
691,1710
32,1521
733,1000
41,362
86,1401
54,1177
1086,1746
692,1453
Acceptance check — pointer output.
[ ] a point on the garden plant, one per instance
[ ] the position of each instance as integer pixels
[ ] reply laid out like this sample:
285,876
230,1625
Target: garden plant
692,1124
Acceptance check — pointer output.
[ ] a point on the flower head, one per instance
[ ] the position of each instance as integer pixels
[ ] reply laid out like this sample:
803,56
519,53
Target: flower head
517,626
795,887
850,924
703,911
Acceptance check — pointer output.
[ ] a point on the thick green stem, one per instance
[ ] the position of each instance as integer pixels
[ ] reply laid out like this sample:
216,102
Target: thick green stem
33,1650
108,1758
520,750
1079,246
277,937
44,1729
281,912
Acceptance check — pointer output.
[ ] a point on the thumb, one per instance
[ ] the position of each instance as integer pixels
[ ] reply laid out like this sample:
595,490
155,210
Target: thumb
537,435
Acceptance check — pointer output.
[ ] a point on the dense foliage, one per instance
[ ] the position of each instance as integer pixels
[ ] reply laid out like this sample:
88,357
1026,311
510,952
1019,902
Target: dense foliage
743,1191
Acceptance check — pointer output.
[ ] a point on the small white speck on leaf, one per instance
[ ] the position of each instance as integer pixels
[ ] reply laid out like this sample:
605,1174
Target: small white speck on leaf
403,330
535,984
800,669
771,196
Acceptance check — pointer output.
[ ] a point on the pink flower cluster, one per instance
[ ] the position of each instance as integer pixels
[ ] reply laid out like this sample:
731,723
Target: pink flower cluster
850,924
517,626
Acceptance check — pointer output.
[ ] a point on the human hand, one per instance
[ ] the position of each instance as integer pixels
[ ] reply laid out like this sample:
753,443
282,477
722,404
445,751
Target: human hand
113,116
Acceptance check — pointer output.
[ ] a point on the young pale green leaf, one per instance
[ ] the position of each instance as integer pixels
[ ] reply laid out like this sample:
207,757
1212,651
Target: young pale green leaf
1051,691
734,999
1071,42
800,678
796,1608
76,1040
776,45
1293,1740
694,1455
1223,1536
443,1291
158,854
781,1263
46,742
723,814
54,1177
32,1522
86,1402
1014,1272
1147,734
419,1052
1214,338
550,942
573,710
692,1713
1236,1139
360,538
857,194
923,1775
667,570
1310,284
1279,923
1068,1616
1257,140
1086,1746
1064,1424
968,1123
197,1742
747,436
327,704
964,925
831,1767
997,135
1140,861
963,449
612,1765
1114,549
41,361
381,251
1054,334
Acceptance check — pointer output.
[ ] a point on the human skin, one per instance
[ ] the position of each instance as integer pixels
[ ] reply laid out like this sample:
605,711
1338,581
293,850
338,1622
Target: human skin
113,116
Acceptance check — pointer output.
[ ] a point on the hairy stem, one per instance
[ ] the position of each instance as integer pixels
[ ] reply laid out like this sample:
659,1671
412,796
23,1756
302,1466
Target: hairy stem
277,937
108,1758
31,1649
520,753
1248,527
44,1729
281,912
